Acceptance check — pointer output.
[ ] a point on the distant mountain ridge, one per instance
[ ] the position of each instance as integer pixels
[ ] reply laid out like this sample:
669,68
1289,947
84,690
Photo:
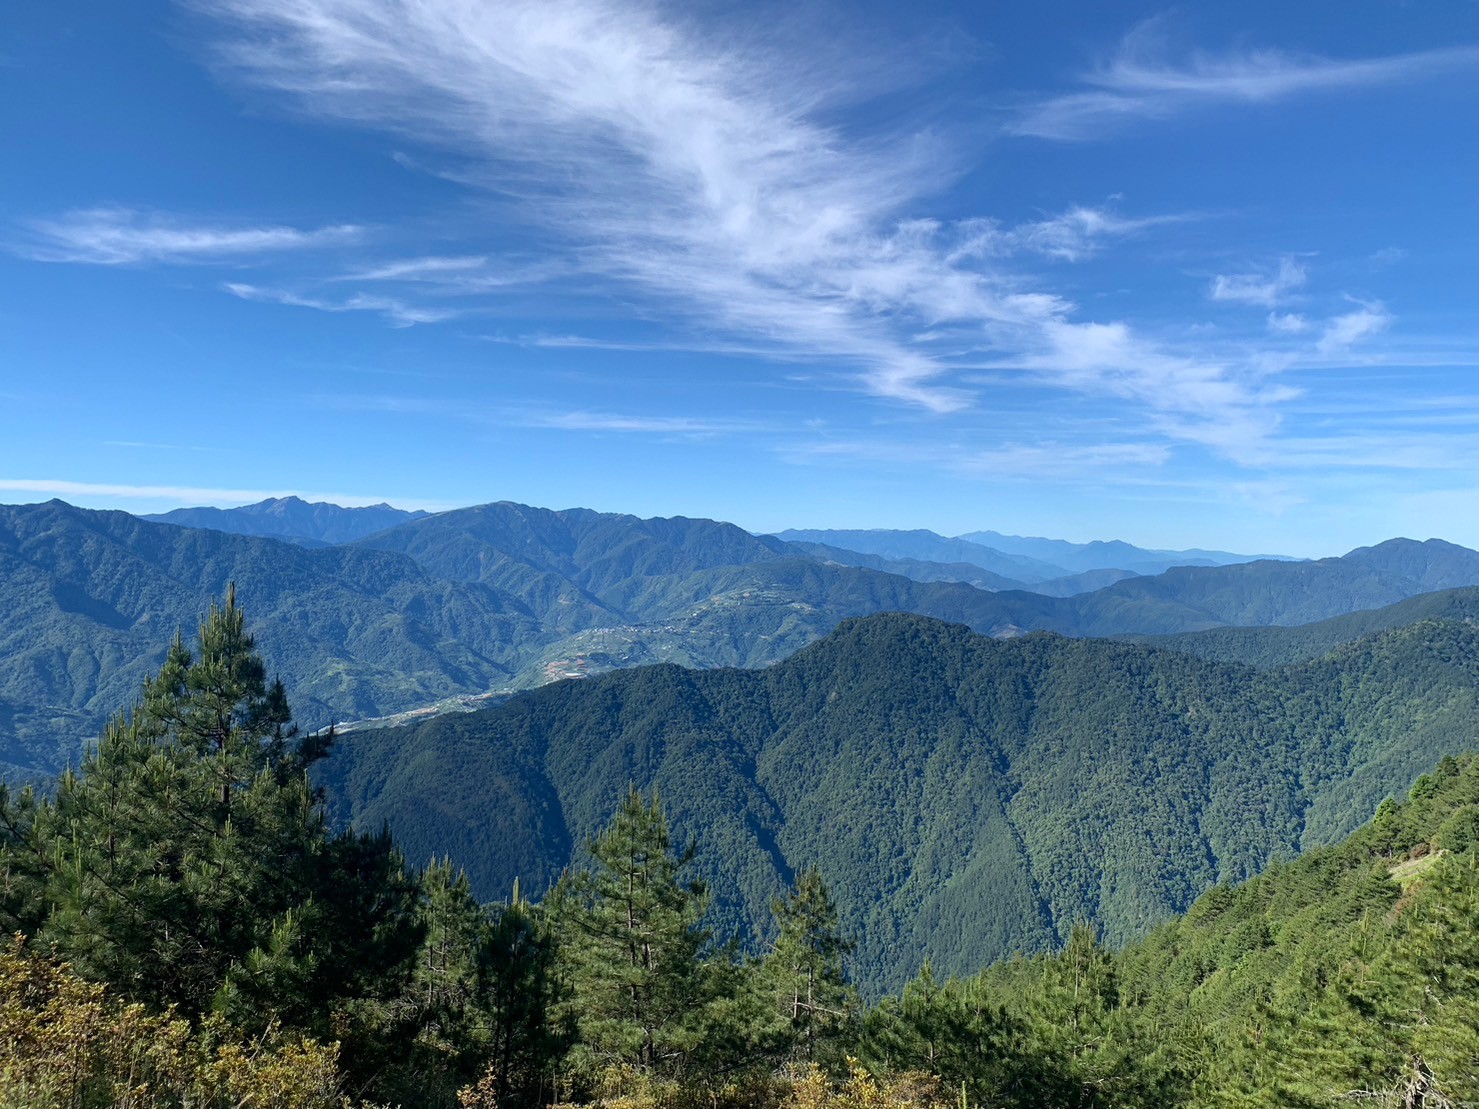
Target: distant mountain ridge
501,597
1102,554
1028,560
970,574
292,518
927,546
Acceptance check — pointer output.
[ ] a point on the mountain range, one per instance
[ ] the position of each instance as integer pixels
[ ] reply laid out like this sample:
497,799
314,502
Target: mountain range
486,600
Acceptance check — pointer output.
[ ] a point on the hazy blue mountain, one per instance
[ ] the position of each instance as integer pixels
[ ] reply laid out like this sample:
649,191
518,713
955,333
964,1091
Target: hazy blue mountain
920,570
1085,581
926,546
913,568
291,518
966,797
1105,554
1267,592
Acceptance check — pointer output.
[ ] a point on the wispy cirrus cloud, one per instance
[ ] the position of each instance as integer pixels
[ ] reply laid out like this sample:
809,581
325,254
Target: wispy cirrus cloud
644,425
694,173
398,312
1287,323
124,236
433,267
1112,462
1077,233
1265,289
660,157
458,275
1141,82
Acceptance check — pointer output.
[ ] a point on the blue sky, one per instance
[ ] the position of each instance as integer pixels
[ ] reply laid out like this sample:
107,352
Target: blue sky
1198,275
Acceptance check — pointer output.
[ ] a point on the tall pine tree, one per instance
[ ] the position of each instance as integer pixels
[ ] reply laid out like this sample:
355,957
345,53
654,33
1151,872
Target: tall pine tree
633,947
187,861
803,974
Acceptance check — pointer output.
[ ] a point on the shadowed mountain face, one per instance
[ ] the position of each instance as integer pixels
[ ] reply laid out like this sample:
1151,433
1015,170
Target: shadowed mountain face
966,797
291,518
502,597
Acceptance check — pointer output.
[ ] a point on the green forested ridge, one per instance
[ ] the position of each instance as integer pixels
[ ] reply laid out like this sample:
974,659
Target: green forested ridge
504,597
1279,646
966,797
1348,976
90,600
186,931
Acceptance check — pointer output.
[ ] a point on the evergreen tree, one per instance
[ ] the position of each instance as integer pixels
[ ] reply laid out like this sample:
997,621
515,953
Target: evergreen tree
633,947
22,869
516,986
187,861
803,975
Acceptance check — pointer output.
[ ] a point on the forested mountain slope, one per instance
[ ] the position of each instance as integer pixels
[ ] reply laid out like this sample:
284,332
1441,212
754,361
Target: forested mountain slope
1348,976
90,600
1279,646
966,797
504,596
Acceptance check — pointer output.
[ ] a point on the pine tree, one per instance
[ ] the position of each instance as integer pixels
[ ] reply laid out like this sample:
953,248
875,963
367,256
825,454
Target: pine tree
633,946
187,861
22,868
516,987
803,974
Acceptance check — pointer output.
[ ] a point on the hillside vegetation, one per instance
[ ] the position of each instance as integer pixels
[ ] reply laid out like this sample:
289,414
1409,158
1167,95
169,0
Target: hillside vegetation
1348,976
967,797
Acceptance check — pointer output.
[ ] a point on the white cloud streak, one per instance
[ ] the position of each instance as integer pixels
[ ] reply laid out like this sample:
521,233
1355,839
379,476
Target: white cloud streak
1346,330
1265,289
124,236
1140,83
398,312
1287,323
1110,462
1079,232
649,425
